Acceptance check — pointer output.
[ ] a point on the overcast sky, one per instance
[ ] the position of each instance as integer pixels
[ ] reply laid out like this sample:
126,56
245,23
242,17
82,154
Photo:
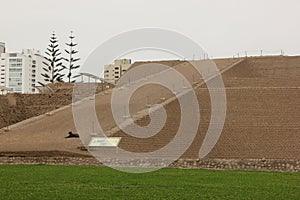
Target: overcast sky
222,27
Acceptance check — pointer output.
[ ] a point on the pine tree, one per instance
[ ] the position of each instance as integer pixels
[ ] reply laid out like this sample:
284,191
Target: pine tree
71,66
53,64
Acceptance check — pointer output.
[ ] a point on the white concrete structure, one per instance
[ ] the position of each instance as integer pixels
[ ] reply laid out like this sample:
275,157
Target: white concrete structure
113,72
21,72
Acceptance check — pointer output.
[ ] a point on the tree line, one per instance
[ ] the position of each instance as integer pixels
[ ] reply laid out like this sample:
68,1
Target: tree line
58,68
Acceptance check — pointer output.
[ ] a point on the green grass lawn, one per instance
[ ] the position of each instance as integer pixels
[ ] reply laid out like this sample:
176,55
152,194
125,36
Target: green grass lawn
62,182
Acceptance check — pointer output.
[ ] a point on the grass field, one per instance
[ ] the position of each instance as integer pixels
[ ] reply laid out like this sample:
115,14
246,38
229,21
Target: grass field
62,182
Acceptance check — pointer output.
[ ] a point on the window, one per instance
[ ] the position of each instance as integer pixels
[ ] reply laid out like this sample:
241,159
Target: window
15,70
33,66
33,71
12,55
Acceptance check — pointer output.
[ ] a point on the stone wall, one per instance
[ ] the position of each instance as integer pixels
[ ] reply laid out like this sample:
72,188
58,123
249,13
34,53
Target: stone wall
216,164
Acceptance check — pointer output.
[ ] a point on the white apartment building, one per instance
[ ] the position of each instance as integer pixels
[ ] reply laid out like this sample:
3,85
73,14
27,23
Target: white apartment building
113,72
21,72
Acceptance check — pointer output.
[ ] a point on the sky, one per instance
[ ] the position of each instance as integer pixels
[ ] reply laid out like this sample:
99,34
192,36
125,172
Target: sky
222,27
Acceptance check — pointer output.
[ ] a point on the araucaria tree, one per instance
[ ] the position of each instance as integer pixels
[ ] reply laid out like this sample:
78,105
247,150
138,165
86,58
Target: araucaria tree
53,65
71,60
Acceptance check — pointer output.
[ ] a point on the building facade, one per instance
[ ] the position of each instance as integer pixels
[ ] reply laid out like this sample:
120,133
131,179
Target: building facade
2,47
113,72
21,72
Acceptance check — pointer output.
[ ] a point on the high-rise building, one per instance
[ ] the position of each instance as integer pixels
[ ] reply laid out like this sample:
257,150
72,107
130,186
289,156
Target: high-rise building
113,72
21,72
2,47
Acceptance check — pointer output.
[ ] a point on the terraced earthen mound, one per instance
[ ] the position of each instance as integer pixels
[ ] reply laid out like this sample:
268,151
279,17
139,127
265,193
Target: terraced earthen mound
16,107
262,115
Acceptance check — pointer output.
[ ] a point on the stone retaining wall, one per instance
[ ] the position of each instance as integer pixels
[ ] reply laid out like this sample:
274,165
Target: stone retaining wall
217,164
